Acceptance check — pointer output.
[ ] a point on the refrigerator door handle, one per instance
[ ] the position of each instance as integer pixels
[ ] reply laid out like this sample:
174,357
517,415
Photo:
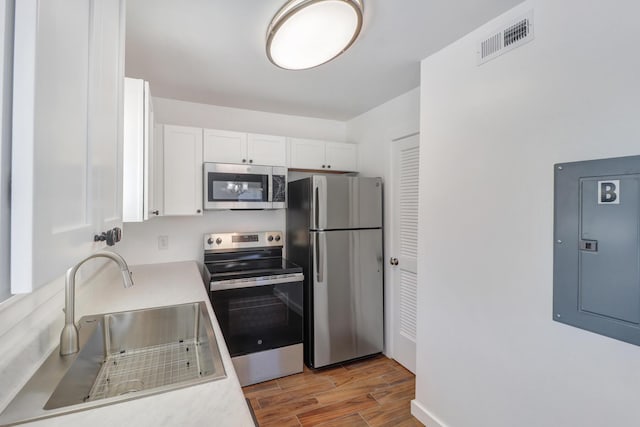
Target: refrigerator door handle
319,258
319,202
316,208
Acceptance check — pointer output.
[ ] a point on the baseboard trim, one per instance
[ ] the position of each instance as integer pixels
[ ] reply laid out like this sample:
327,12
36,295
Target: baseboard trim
424,416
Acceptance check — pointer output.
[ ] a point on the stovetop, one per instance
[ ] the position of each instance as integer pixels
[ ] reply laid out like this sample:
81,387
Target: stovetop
246,255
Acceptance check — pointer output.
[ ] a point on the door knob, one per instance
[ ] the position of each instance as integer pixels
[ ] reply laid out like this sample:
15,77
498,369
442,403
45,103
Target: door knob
393,261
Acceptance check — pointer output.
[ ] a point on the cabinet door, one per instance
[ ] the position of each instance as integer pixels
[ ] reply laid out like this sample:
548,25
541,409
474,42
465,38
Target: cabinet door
106,110
157,205
66,134
221,146
182,170
341,157
138,159
149,207
306,154
267,150
134,150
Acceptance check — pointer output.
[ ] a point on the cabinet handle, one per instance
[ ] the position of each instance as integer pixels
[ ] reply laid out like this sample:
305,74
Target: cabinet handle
328,166
198,211
250,161
244,160
323,166
156,212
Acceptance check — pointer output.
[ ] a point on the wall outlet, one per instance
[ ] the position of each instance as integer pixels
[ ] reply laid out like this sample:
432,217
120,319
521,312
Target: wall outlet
163,242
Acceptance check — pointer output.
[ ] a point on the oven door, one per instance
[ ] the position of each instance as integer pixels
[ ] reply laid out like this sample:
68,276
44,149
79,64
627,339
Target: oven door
259,318
228,186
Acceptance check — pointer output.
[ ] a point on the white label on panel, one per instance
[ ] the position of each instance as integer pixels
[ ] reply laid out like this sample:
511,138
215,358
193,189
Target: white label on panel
609,192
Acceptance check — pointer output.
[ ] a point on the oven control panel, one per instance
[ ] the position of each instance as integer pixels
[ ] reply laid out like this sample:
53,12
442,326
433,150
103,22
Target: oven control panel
256,239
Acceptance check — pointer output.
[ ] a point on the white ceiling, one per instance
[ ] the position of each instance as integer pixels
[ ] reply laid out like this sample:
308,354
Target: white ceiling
212,52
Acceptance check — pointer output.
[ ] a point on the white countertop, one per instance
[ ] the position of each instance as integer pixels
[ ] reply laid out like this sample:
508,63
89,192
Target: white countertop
220,403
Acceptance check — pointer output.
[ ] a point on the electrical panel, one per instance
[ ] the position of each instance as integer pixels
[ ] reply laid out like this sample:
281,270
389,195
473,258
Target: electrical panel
596,262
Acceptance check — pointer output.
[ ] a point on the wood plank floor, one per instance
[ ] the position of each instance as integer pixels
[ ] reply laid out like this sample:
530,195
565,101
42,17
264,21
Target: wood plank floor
375,392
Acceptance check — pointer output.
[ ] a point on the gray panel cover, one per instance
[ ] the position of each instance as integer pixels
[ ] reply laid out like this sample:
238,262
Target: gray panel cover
609,277
597,246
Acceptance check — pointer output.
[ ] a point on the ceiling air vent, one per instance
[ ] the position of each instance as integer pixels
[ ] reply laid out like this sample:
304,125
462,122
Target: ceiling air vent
510,37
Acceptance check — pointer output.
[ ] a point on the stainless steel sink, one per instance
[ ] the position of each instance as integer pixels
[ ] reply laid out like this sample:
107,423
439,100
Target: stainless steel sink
123,356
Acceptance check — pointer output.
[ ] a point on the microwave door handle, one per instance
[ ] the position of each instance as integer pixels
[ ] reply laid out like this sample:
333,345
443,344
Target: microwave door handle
270,189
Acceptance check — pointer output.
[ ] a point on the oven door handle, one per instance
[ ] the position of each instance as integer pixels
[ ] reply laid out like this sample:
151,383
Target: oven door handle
235,284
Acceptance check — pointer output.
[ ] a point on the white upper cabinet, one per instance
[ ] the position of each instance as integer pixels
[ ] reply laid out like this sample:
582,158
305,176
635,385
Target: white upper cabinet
67,134
138,162
341,157
320,155
221,146
306,154
106,112
182,170
267,150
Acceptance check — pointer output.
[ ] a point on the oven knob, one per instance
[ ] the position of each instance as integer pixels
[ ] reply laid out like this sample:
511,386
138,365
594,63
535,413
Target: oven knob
270,238
210,241
277,238
218,241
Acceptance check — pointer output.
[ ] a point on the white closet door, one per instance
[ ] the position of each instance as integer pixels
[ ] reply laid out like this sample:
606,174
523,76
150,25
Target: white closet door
406,159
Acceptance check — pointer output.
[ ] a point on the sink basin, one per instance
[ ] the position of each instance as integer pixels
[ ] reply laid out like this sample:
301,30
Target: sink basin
123,356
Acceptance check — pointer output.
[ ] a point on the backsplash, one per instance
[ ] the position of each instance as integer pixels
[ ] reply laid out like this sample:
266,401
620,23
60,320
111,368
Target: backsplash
183,236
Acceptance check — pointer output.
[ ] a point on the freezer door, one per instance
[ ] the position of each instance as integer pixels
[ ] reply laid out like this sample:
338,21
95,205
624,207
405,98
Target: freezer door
347,295
342,202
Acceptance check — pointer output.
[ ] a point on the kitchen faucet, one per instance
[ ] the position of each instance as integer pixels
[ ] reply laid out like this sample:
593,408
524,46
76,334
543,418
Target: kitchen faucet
69,336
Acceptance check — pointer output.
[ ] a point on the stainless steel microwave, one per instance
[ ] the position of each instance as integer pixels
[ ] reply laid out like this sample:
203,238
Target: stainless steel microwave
229,186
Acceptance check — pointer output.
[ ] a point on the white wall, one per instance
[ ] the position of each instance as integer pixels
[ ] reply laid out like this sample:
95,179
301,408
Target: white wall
6,81
489,353
174,112
375,130
140,240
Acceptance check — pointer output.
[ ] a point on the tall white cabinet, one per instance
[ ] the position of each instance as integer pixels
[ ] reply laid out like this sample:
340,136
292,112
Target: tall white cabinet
67,134
139,153
182,170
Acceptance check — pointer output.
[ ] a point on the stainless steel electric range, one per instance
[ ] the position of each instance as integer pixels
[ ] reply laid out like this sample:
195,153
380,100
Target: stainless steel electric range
257,297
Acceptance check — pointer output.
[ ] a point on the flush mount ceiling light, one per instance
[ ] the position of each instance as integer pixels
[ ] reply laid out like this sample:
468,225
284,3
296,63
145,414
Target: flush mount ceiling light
307,33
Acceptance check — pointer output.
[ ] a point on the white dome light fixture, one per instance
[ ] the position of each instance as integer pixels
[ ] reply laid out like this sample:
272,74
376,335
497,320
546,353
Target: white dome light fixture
307,33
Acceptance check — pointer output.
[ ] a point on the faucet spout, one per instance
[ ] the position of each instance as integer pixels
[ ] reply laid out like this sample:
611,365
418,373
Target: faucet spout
69,343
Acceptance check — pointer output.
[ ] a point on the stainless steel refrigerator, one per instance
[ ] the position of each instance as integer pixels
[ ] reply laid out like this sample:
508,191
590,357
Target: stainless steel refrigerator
334,231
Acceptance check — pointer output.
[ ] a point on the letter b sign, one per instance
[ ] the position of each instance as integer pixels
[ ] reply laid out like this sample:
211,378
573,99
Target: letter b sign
609,192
